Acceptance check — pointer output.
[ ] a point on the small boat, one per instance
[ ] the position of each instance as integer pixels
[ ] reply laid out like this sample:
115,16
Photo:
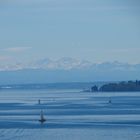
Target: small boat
42,119
39,102
110,101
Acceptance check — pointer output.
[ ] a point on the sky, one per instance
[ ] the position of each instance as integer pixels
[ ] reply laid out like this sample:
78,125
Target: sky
94,30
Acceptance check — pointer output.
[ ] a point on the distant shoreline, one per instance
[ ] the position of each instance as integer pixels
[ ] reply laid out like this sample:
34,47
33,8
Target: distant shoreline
129,86
123,86
68,85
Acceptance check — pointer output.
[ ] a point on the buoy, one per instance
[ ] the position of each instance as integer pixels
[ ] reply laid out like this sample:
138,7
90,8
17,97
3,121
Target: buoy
110,101
39,101
42,119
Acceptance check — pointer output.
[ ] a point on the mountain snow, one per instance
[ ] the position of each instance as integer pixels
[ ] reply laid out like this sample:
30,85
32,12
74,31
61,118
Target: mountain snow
67,63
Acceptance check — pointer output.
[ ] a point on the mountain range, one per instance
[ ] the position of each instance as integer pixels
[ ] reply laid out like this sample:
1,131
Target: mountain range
67,70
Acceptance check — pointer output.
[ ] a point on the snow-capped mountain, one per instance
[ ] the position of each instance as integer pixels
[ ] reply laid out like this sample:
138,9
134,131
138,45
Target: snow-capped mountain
67,70
67,63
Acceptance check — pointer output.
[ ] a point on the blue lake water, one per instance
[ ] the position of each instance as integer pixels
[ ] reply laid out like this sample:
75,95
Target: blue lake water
68,110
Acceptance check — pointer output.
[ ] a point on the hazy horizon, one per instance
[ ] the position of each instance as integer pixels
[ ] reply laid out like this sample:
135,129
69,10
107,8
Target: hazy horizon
69,40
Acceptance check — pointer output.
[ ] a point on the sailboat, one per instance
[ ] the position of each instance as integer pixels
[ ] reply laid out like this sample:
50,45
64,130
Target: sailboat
42,119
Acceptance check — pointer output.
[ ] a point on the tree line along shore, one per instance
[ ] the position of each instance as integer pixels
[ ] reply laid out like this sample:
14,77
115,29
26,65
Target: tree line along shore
118,86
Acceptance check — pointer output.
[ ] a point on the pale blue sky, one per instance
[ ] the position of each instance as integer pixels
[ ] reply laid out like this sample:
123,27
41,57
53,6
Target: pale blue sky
95,30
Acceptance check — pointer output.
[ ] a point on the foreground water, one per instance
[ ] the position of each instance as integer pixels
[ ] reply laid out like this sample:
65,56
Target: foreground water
70,115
